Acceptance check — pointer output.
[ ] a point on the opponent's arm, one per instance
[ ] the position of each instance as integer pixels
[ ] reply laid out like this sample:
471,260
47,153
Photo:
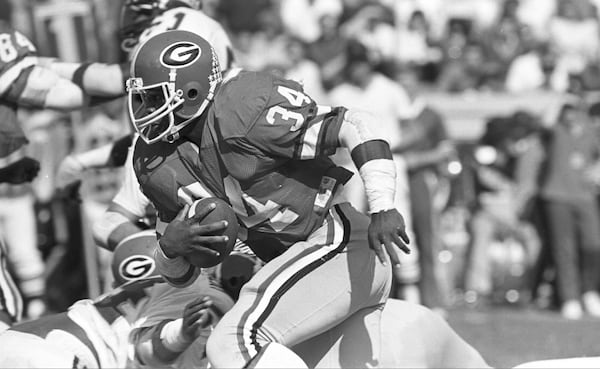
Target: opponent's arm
73,166
372,156
42,83
126,209
95,79
163,343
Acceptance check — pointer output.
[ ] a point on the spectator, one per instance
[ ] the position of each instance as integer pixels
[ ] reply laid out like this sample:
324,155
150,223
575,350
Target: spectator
413,47
504,40
507,183
369,90
470,71
568,191
304,70
574,36
328,51
528,71
307,28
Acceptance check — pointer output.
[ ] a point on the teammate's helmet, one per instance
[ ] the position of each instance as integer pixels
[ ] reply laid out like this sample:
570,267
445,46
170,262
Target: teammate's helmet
173,79
138,15
133,258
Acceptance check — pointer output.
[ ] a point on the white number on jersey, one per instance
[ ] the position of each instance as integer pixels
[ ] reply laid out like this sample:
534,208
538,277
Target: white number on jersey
295,98
8,51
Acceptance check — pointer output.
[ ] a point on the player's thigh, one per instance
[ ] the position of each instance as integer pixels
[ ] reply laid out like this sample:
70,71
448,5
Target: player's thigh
314,285
414,336
354,343
24,350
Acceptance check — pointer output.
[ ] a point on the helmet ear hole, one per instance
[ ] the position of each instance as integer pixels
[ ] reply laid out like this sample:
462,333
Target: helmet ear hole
192,93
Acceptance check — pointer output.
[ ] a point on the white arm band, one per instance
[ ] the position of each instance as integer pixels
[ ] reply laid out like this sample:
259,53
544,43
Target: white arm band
373,158
106,225
172,338
379,177
177,271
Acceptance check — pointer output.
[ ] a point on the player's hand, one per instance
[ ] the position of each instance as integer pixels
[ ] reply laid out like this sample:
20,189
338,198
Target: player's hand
21,171
386,229
196,316
185,236
69,171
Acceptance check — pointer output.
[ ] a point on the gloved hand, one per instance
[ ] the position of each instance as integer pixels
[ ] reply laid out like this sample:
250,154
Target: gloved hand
196,316
21,171
386,229
184,236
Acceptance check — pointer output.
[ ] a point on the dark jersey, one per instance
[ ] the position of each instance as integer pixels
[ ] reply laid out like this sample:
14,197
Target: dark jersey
264,147
14,47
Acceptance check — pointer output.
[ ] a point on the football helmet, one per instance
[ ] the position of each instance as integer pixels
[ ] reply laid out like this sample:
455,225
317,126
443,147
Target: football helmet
174,76
133,259
138,15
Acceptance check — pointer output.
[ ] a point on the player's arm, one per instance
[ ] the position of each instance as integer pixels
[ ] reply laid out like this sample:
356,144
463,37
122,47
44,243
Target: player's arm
73,166
162,344
373,158
28,84
95,79
60,86
126,209
183,236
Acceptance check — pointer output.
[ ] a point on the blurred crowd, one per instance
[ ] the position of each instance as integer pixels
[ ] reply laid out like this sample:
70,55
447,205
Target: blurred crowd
510,217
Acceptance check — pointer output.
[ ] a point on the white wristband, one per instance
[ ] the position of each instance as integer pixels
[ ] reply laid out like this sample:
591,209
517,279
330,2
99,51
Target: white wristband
172,268
379,178
172,338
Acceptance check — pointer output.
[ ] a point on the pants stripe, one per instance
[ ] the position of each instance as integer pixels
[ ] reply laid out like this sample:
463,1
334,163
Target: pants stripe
289,274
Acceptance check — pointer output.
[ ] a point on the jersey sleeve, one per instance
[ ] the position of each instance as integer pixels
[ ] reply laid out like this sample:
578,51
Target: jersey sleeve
130,196
289,123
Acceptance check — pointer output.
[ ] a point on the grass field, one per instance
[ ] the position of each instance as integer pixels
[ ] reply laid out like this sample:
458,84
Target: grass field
508,336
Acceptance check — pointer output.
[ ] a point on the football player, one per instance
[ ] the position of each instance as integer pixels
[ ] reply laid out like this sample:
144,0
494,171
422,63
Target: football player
140,20
92,334
138,323
262,144
27,80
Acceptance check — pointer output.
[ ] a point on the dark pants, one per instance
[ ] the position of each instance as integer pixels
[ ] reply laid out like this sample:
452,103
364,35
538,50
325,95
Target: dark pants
427,237
574,230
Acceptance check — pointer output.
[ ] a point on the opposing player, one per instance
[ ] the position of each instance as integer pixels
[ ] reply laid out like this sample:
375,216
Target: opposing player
141,322
262,144
91,334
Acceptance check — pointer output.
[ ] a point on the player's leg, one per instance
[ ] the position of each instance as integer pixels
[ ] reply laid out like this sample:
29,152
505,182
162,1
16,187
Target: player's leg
11,303
309,289
354,343
408,336
26,259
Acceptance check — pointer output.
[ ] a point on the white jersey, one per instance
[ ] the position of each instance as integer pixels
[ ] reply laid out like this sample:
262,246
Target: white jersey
195,21
82,337
129,196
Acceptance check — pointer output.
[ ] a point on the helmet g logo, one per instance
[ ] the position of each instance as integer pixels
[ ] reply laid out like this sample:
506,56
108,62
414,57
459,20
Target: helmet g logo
180,54
136,267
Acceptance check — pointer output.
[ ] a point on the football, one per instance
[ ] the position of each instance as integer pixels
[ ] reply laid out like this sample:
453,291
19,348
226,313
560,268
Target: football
222,212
